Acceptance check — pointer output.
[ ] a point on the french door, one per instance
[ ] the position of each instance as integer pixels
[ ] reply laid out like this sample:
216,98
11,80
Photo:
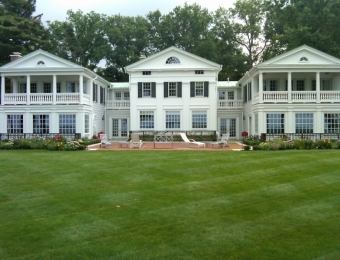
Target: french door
228,125
119,127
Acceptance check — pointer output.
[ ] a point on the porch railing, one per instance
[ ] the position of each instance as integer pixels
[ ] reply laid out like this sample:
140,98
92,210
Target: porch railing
44,98
118,104
230,104
299,96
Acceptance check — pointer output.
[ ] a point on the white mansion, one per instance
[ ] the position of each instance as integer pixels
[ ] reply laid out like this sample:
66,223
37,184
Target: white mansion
172,90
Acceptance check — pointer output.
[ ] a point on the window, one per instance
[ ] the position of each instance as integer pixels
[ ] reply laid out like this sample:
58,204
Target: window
300,85
304,123
118,95
275,123
332,123
71,87
172,89
146,119
172,120
126,96
47,88
256,123
199,119
33,87
313,84
146,72
221,95
172,60
231,95
249,91
272,85
199,89
199,71
87,124
67,124
326,84
15,124
58,88
146,89
41,124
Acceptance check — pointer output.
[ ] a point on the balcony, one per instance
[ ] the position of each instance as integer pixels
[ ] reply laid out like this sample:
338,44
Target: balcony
118,104
44,98
230,104
299,97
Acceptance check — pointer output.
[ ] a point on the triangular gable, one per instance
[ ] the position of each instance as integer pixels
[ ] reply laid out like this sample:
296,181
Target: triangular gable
302,55
171,59
40,59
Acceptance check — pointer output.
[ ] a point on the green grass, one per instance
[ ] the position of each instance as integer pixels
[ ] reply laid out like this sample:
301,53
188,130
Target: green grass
170,205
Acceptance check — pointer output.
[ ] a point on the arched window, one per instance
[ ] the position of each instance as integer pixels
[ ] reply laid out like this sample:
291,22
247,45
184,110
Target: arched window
172,60
303,59
41,63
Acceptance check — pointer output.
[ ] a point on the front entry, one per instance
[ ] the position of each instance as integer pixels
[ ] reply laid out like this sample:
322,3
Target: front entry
228,125
119,128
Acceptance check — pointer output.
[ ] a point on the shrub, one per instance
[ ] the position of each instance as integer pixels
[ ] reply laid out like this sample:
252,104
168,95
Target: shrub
246,147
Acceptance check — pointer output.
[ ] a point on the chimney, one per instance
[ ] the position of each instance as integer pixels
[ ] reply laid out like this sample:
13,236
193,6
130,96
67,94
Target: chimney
142,57
15,56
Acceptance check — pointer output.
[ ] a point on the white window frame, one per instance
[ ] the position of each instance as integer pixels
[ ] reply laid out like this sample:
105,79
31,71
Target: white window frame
199,119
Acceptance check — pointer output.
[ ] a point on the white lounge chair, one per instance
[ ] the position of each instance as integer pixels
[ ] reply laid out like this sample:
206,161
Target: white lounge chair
104,141
136,142
224,140
191,141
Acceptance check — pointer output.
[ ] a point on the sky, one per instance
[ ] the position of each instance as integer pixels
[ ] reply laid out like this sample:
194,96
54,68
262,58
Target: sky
56,9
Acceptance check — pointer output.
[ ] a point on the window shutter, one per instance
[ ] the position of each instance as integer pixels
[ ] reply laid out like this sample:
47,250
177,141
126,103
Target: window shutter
245,94
153,89
166,89
179,89
206,88
140,89
192,89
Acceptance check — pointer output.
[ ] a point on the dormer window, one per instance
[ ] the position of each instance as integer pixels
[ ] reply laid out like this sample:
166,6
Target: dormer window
303,59
147,72
199,71
172,60
41,63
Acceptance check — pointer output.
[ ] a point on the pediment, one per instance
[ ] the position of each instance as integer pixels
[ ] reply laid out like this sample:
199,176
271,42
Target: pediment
39,60
173,59
304,55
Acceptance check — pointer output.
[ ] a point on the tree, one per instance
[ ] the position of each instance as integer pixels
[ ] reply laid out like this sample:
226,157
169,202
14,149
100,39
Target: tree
80,38
127,39
248,28
19,30
297,22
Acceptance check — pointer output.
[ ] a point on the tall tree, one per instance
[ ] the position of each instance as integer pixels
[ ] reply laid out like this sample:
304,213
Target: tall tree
80,38
20,31
127,39
292,23
248,28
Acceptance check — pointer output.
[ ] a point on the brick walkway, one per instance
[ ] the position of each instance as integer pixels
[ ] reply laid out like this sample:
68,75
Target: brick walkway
167,146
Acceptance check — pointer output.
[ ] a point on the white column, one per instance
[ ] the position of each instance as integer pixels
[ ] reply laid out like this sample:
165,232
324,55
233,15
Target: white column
28,89
15,86
3,90
261,122
289,87
81,89
290,121
318,88
54,89
54,121
318,128
261,87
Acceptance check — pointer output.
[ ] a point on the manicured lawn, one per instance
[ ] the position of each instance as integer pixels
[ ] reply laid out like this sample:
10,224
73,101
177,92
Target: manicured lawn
170,205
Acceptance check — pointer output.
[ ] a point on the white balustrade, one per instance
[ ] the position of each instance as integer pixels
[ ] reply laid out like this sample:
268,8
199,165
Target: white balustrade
228,104
330,96
275,96
15,98
68,98
118,104
303,96
41,98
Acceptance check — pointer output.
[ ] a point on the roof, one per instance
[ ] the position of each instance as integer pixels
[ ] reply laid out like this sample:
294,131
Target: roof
119,85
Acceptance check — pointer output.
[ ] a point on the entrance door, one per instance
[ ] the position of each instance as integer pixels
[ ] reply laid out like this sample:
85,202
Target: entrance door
119,127
228,125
